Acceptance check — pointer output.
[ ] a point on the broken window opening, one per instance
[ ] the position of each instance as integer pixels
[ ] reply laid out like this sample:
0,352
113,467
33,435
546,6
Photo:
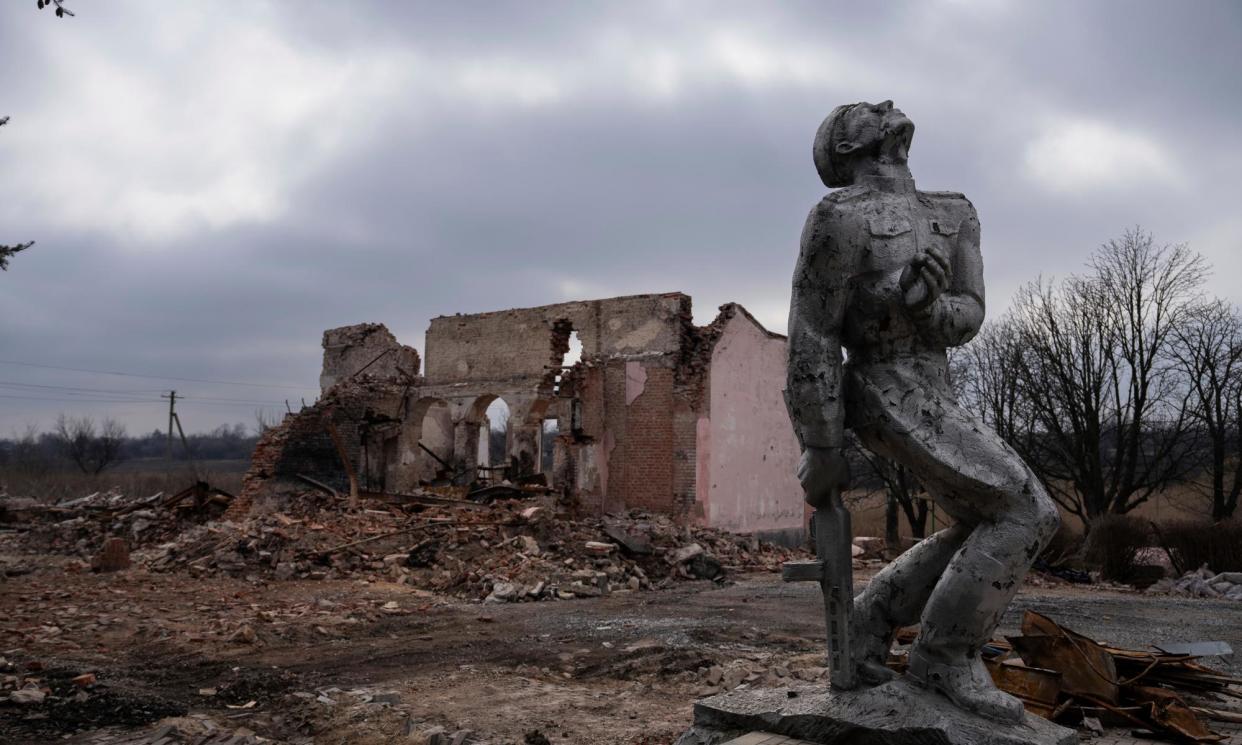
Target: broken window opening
572,356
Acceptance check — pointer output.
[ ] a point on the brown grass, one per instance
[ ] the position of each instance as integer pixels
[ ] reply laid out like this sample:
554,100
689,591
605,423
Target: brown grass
1193,543
137,479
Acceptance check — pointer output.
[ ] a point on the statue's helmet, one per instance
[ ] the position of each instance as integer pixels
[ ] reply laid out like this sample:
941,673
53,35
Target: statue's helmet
828,162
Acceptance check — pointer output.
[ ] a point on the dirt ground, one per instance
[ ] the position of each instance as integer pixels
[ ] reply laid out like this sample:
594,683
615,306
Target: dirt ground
220,660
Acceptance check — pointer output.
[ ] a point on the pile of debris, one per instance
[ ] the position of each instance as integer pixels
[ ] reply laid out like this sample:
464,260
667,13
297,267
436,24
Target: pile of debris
1064,676
505,551
1203,583
500,550
80,526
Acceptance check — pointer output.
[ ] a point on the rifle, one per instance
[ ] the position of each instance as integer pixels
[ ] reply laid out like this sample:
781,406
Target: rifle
833,568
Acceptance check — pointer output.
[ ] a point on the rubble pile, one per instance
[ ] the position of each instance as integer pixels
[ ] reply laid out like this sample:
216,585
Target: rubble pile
1070,678
1203,583
79,527
505,551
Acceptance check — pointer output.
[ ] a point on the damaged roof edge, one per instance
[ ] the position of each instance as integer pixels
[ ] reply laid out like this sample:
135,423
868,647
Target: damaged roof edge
639,296
728,310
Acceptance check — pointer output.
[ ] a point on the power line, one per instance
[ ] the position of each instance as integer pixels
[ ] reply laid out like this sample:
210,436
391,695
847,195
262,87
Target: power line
230,400
75,390
15,384
250,404
84,400
156,377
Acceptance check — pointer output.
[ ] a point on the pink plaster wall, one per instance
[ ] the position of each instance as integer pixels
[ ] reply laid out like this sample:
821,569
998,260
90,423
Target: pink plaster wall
635,381
747,448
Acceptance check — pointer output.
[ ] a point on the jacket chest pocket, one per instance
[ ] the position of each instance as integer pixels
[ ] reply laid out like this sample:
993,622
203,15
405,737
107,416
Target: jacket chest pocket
892,242
943,234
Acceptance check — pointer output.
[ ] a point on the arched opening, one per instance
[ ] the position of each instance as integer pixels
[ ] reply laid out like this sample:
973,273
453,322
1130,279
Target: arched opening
494,434
488,433
434,447
547,444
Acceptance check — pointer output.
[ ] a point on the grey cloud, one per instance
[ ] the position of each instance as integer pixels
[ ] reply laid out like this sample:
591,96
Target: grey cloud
437,203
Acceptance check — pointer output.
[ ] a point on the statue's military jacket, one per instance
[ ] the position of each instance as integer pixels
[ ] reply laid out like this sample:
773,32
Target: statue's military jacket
847,293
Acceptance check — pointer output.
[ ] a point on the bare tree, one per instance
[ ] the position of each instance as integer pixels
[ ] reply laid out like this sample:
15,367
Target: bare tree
1110,425
26,455
903,494
90,449
264,420
987,377
61,10
1209,354
8,252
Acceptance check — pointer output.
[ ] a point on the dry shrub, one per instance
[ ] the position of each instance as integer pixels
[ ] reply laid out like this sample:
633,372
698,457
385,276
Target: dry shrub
1113,542
1065,548
1192,544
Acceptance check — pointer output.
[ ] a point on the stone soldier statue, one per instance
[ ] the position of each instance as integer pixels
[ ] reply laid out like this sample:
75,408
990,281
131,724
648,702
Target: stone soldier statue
894,275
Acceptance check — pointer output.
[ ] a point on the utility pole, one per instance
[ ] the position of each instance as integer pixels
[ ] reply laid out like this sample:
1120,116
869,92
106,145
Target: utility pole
172,413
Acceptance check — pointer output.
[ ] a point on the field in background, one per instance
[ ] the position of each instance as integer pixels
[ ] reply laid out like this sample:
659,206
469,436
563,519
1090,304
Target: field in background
139,478
1173,504
146,476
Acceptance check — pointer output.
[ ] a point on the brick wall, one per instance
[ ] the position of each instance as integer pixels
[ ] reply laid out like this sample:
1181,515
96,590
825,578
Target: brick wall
367,347
644,457
522,343
638,442
302,445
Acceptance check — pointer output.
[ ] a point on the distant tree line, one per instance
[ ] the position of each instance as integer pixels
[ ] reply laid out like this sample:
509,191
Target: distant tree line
1113,384
79,443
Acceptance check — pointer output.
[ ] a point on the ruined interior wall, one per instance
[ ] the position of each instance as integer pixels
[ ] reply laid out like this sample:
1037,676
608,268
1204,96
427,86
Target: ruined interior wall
749,451
437,436
301,444
685,461
348,349
516,344
675,419
643,459
298,445
588,453
637,442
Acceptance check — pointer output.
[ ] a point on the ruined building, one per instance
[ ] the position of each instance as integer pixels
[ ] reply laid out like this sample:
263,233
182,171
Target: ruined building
657,414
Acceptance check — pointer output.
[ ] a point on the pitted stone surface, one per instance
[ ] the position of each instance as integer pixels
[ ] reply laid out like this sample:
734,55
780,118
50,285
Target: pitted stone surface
766,738
893,275
895,713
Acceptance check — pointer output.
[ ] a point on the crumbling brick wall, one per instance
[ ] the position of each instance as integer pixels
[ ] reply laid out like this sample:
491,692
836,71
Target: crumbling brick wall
368,348
517,344
646,448
302,445
642,397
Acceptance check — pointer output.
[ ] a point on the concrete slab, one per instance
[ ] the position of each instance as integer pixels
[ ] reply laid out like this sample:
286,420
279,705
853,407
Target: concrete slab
896,713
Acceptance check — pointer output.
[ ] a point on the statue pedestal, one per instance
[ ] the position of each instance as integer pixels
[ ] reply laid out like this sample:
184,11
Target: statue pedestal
896,713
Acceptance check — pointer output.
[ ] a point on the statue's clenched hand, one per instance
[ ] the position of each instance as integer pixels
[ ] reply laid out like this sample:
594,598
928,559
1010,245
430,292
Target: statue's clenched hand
925,278
822,471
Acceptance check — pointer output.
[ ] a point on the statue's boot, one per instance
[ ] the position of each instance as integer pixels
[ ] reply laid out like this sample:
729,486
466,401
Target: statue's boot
968,684
872,638
895,597
972,595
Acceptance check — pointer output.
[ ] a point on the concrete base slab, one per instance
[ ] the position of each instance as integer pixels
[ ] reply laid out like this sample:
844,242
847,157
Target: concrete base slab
896,713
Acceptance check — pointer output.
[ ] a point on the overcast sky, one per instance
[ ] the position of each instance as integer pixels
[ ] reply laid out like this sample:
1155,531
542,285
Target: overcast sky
212,184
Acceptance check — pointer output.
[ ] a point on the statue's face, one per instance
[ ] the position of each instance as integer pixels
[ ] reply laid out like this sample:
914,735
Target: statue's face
878,127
